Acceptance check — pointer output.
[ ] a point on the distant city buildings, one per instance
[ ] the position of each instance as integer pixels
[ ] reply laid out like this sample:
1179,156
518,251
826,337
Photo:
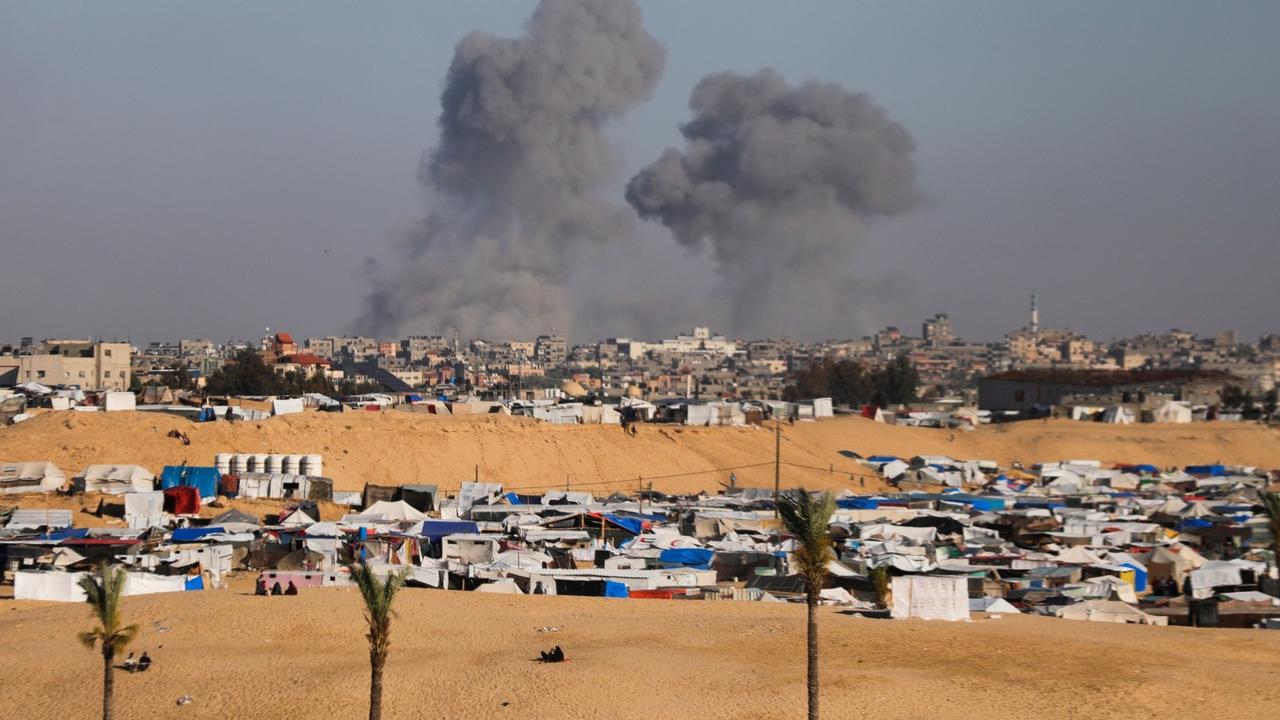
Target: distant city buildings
700,364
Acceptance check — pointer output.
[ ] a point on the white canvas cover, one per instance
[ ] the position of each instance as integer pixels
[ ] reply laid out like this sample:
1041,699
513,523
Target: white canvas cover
48,586
144,509
149,584
287,407
1112,611
115,401
1174,412
992,605
395,511
31,519
930,597
24,477
114,479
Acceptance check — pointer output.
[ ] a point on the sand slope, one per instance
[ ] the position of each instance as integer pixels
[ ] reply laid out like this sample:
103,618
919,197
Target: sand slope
463,655
397,448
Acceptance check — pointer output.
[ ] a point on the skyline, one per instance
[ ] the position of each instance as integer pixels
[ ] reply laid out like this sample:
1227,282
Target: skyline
167,169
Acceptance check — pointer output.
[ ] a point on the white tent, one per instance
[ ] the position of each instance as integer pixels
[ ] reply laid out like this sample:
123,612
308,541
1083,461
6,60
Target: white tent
1117,415
286,406
114,401
114,479
392,511
931,597
992,605
25,477
144,509
1112,611
1174,412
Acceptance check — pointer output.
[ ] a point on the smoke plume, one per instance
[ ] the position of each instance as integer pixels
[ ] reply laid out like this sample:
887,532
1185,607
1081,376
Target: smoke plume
781,182
515,179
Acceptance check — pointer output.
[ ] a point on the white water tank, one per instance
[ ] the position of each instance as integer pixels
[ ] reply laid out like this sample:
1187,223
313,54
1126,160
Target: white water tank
292,464
312,466
258,463
240,464
275,463
222,461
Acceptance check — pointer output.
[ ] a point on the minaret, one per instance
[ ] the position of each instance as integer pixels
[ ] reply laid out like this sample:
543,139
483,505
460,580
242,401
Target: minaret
1035,314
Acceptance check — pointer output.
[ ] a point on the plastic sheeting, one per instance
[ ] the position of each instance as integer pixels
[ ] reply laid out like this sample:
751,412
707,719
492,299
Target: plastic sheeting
143,509
930,597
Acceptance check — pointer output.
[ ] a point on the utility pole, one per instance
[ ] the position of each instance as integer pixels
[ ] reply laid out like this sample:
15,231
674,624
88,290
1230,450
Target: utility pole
777,464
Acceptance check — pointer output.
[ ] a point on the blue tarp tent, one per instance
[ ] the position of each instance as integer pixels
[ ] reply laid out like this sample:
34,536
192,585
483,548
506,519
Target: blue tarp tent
881,458
616,589
66,534
635,526
858,503
1139,575
1211,470
698,558
194,583
194,534
203,479
435,529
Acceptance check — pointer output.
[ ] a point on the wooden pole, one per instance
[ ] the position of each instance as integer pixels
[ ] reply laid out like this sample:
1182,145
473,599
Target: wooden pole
777,464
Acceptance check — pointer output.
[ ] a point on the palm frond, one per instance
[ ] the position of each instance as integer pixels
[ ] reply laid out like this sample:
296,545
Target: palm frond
102,593
377,595
806,518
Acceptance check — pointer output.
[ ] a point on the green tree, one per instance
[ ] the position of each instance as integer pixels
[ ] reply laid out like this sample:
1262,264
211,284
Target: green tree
807,519
103,592
1269,404
377,595
1232,396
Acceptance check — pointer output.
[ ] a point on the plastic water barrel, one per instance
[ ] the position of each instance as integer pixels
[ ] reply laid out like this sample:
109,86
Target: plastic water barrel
293,464
275,463
312,466
240,463
222,461
258,462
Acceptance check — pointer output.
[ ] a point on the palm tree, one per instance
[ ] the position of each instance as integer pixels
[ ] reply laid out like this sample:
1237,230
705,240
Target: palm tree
806,518
103,591
377,595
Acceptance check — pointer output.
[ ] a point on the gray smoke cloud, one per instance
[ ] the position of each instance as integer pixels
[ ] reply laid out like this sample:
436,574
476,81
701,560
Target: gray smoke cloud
516,177
781,182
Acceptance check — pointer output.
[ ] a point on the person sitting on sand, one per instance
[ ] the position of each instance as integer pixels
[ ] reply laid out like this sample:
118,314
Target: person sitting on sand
144,662
276,589
292,589
261,589
129,663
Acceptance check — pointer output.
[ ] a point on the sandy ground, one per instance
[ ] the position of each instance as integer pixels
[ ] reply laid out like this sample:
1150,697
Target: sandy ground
468,655
397,448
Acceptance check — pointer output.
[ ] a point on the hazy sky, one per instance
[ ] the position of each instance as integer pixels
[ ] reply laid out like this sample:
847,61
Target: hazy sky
178,169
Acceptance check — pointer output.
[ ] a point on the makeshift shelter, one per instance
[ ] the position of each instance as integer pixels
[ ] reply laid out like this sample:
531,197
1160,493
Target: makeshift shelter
181,500
144,509
930,597
1112,611
1174,412
203,479
114,401
114,479
31,477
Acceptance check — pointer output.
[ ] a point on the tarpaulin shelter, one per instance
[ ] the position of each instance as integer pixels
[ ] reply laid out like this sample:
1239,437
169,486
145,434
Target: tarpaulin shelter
33,477
114,479
144,509
931,597
204,479
181,500
699,558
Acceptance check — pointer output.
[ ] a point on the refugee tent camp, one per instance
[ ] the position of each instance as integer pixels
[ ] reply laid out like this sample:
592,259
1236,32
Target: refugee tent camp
114,479
25,477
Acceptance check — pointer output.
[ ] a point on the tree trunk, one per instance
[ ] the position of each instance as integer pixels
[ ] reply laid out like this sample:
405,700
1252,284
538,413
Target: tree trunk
108,682
813,656
375,685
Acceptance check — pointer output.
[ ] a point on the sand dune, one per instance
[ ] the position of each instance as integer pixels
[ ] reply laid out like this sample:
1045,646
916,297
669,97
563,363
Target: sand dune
397,448
468,655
